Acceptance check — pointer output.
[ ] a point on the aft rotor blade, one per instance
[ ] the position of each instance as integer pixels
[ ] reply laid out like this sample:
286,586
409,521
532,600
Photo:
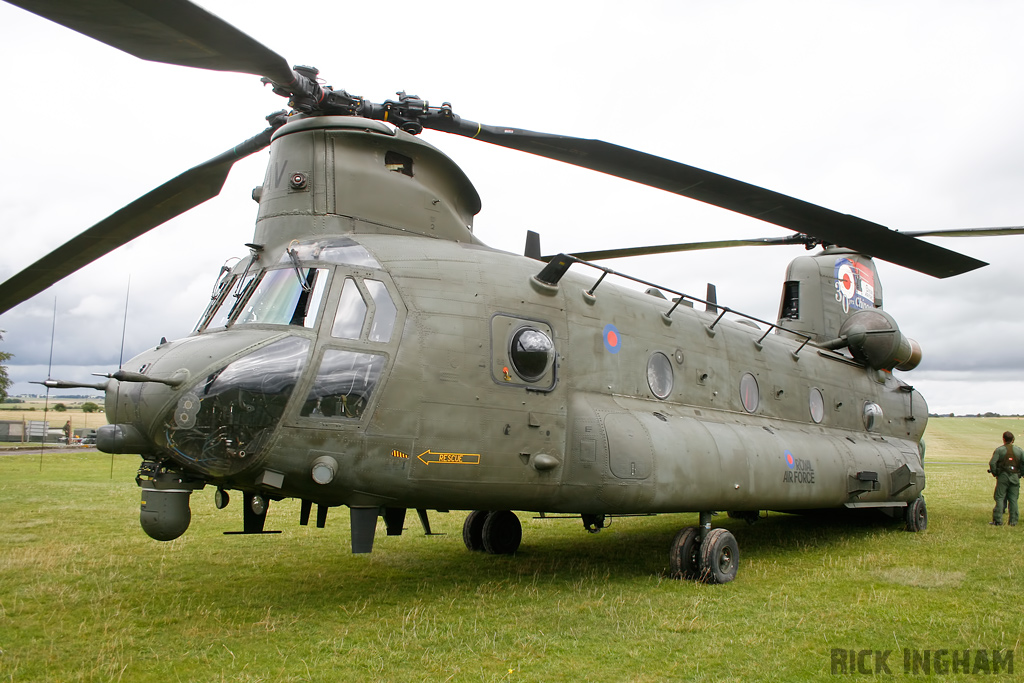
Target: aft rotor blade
169,31
175,197
968,232
718,190
605,254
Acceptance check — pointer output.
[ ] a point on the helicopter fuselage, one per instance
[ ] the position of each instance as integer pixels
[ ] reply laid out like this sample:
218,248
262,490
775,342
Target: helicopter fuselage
371,353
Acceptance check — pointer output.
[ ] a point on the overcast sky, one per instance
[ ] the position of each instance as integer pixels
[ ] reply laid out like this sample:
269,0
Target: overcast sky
903,113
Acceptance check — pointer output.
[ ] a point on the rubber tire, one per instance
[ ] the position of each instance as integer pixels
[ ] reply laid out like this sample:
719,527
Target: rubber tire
719,557
917,515
502,533
684,554
473,530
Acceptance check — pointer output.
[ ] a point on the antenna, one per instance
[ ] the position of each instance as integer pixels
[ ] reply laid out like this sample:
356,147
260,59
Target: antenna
120,358
49,370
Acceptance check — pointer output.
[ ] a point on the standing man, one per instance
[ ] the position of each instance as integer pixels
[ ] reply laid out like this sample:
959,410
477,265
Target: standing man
1005,467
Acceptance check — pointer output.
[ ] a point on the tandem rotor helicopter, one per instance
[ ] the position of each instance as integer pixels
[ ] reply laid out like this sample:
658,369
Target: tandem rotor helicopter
371,352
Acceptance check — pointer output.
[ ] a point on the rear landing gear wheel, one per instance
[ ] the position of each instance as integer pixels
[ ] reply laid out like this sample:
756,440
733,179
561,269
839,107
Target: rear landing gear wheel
719,557
473,530
502,533
684,555
917,515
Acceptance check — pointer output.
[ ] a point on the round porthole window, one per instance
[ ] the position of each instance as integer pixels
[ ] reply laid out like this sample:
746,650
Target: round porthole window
531,353
872,416
749,394
817,404
659,375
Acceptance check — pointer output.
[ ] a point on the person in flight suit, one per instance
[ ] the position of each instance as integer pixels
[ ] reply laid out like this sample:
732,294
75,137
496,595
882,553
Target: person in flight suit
1005,467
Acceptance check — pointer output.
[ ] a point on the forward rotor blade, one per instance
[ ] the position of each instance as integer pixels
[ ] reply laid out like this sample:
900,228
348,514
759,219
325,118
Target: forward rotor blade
718,190
169,31
176,196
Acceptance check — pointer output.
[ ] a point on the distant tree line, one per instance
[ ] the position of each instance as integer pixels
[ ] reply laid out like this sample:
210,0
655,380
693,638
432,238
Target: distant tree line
988,414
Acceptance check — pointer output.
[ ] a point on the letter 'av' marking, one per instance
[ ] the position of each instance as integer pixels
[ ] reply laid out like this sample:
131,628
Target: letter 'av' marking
430,457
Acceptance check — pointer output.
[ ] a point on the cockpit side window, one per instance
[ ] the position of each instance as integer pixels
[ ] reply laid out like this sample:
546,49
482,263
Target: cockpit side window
217,300
385,314
348,323
233,302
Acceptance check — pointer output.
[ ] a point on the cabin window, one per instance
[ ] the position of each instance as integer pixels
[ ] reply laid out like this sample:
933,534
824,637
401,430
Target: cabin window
348,323
749,393
344,384
659,375
816,403
531,353
385,312
872,416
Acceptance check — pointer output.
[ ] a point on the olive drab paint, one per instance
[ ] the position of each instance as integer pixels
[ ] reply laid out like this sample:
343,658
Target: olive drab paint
438,415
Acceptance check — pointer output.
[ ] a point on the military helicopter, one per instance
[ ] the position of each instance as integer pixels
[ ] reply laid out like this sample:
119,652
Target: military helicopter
370,352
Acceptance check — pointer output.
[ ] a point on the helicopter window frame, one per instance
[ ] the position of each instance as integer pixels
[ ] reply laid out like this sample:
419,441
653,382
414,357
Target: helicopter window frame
256,388
243,288
221,290
503,328
873,416
360,372
750,393
337,251
816,405
350,316
660,376
384,316
523,353
285,296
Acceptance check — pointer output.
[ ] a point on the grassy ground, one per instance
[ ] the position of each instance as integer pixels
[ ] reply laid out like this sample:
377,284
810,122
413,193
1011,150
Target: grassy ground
86,596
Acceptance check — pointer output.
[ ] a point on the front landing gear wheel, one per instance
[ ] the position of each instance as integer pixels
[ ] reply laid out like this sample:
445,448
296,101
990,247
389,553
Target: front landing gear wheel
502,533
473,530
719,557
684,555
917,515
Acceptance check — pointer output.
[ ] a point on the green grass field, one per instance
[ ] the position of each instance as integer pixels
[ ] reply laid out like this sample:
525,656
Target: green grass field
85,595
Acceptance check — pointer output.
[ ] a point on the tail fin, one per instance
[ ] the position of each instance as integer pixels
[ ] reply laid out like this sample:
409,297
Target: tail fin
823,290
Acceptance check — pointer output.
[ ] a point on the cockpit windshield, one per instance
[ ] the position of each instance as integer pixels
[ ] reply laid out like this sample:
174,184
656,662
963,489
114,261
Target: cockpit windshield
287,296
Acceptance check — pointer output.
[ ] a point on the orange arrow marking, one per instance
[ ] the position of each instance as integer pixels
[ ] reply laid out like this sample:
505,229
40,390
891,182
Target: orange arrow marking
430,457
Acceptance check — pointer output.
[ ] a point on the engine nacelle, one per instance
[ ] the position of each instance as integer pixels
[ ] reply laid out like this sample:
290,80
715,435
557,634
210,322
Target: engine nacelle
874,338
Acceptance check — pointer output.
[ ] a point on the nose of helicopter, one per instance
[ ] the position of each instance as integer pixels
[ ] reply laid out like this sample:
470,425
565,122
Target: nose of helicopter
209,402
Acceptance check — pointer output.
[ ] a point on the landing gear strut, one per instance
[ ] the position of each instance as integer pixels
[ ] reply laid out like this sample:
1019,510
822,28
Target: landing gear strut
704,554
498,532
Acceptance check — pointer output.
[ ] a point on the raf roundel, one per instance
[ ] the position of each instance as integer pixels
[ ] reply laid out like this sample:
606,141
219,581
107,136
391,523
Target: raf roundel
790,460
612,338
846,281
